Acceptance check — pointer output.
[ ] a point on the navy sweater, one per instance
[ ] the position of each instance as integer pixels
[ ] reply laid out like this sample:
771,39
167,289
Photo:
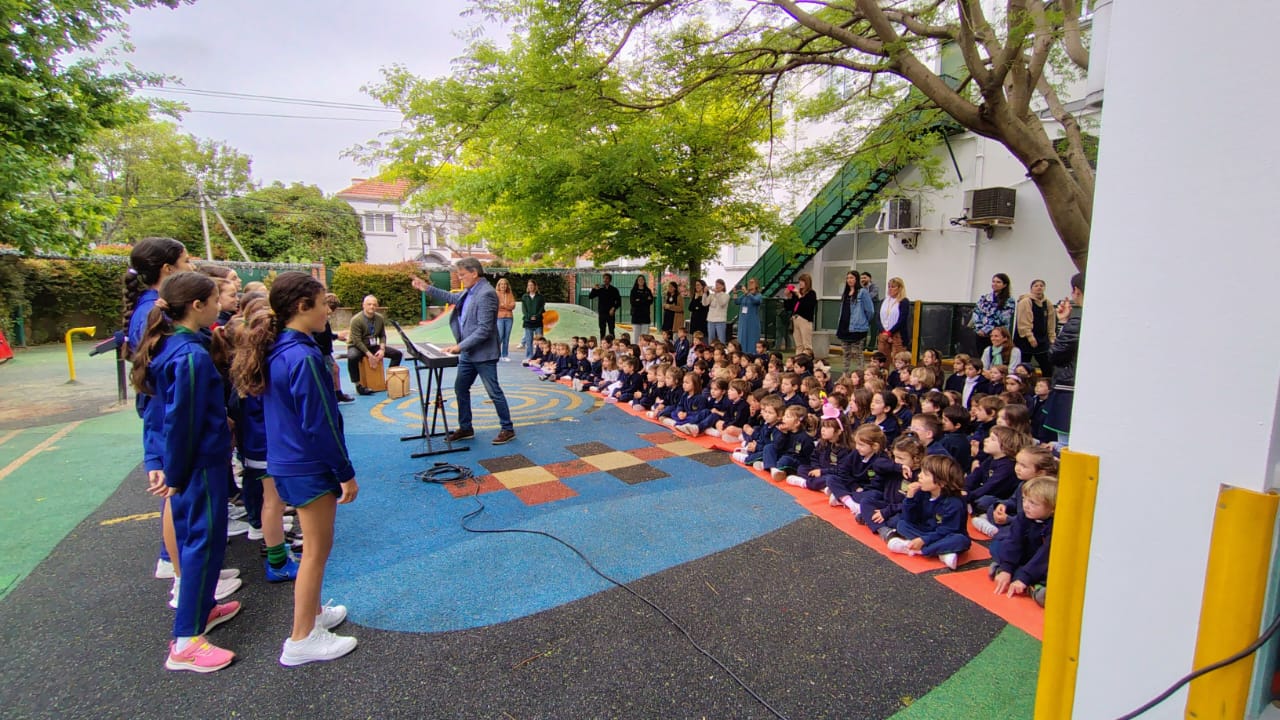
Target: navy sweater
1024,551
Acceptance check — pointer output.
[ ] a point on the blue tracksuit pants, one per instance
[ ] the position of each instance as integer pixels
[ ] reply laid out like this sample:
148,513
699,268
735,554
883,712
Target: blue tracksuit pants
200,519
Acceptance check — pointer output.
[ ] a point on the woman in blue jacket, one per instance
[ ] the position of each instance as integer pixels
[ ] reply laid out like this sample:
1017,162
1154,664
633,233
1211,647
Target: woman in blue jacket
750,302
306,448
856,311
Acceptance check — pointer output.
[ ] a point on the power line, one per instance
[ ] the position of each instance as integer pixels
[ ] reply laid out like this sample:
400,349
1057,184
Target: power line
276,99
294,117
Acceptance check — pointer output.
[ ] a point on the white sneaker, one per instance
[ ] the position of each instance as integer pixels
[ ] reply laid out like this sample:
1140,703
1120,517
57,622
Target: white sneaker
669,422
221,591
228,573
758,465
506,359
740,456
254,533
237,527
319,645
236,512
331,616
712,432
164,569
899,545
985,526
796,481
948,559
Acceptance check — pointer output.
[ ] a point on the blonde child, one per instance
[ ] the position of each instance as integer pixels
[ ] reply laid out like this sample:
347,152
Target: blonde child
1022,555
1032,461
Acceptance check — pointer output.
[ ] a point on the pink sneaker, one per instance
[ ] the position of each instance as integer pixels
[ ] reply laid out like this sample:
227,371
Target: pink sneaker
222,613
200,656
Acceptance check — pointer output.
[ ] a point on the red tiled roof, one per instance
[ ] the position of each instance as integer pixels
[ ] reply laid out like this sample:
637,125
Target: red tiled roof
376,189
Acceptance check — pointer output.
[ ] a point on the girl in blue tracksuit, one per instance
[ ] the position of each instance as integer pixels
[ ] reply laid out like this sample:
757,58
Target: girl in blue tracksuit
173,367
834,445
150,262
934,518
306,449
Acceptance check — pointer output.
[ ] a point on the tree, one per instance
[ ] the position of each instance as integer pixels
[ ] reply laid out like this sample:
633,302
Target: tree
296,223
52,108
1008,65
528,140
153,170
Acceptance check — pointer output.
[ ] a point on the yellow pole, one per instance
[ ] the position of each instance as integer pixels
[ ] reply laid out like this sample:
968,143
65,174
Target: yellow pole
1068,566
1235,592
71,361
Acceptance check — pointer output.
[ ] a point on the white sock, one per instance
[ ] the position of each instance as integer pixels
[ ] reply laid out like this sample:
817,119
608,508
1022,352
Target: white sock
796,480
854,507
180,644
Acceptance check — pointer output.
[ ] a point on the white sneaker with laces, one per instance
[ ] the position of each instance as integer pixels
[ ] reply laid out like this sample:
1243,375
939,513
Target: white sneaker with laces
254,533
899,545
236,512
320,645
712,432
237,527
228,573
985,526
331,616
164,569
949,559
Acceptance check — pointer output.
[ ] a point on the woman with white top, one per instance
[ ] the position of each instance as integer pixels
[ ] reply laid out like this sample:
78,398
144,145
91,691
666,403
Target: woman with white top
717,302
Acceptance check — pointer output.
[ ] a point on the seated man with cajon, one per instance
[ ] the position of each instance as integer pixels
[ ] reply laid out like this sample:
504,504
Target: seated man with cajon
368,338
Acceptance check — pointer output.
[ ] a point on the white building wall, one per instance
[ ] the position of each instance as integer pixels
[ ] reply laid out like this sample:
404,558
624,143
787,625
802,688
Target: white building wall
1159,231
382,247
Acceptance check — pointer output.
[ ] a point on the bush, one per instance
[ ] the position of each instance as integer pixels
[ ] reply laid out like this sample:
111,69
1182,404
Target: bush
554,287
389,283
55,295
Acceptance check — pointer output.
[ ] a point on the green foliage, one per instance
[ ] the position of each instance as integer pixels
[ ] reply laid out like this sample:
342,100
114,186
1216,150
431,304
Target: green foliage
389,283
54,295
51,109
295,224
526,139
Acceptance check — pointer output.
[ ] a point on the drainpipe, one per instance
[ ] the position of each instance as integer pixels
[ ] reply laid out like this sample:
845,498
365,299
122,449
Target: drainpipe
979,165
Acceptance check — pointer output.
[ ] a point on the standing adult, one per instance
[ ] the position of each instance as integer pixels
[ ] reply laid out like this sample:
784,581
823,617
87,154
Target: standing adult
749,304
1063,356
532,306
869,283
718,313
672,312
698,309
993,310
1035,327
895,320
804,311
856,311
367,337
641,308
474,322
609,300
506,317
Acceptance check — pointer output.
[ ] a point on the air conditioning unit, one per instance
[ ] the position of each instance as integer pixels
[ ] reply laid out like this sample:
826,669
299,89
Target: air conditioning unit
899,214
990,206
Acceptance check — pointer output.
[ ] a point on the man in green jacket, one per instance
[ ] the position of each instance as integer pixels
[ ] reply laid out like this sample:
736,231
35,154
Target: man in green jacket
368,337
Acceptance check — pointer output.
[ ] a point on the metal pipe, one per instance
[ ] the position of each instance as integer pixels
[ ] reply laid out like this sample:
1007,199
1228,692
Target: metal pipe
71,361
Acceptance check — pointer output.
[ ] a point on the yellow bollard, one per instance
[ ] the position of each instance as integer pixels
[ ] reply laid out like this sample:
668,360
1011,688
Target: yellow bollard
71,361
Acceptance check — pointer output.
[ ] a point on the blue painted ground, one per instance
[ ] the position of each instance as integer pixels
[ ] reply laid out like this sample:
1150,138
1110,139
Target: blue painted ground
403,562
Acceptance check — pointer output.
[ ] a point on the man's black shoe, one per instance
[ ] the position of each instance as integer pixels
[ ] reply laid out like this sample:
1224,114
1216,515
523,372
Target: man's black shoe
362,390
504,436
457,435
345,398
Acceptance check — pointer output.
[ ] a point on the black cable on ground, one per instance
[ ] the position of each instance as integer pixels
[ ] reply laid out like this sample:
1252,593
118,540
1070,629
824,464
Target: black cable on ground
1253,648
445,472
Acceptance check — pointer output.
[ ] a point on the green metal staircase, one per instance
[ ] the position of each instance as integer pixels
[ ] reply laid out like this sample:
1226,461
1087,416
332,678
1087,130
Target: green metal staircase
847,194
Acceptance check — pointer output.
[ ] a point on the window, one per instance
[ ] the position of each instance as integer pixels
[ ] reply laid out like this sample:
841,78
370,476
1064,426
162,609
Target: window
379,222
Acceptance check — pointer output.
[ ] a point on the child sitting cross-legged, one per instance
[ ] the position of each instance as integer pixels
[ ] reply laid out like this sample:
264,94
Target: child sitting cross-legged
1022,555
753,444
752,421
792,447
933,515
736,413
866,469
834,444
881,508
1030,462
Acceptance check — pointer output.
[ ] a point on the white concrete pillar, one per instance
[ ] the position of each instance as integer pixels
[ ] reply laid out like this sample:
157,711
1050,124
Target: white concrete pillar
1180,355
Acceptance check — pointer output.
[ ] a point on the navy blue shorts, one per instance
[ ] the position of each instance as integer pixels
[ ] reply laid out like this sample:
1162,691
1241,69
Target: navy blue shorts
301,490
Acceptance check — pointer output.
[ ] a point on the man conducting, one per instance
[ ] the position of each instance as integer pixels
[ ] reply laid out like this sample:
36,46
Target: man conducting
368,337
474,323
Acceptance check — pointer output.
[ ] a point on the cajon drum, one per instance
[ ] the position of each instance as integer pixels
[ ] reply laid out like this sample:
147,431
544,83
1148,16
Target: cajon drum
397,382
372,375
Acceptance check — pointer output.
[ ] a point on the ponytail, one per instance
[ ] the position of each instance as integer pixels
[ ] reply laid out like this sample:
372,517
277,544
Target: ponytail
177,294
146,261
290,293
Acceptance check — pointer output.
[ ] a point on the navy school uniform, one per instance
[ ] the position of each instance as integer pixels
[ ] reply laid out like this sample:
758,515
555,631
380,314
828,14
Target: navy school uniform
631,384
197,462
993,480
690,405
888,500
582,370
564,366
903,416
895,379
857,475
957,445
708,416
796,399
940,521
889,426
979,435
938,448
682,346
538,356
788,451
765,436
737,413
251,444
1012,506
623,379
826,459
1023,551
307,447
954,382
648,396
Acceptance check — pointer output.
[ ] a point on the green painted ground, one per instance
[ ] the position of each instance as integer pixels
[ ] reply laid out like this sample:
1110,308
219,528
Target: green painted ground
46,497
998,684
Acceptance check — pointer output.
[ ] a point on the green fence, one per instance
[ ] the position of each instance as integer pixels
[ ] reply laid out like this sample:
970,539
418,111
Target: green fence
624,282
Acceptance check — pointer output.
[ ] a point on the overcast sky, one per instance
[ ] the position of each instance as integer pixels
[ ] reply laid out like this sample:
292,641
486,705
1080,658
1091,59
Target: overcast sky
311,49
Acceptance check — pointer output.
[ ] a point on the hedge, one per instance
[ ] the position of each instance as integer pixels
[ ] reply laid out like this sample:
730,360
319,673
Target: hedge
389,283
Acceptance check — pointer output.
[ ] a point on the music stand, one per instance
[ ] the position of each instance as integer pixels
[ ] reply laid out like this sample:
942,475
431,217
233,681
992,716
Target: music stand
435,377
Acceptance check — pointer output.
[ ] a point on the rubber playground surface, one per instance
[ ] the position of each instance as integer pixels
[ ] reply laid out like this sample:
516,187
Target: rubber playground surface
785,593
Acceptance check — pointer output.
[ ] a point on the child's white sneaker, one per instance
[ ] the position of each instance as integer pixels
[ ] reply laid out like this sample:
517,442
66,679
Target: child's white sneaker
740,456
985,526
319,645
796,481
777,475
832,500
649,414
164,569
712,432
899,545
669,422
758,465
949,559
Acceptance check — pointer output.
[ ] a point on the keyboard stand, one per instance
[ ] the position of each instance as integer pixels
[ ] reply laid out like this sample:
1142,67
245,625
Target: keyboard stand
435,379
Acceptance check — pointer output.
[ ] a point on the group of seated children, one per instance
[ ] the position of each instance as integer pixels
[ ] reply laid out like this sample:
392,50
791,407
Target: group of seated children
912,452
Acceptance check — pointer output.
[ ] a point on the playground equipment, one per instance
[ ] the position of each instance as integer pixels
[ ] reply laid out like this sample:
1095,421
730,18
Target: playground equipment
71,361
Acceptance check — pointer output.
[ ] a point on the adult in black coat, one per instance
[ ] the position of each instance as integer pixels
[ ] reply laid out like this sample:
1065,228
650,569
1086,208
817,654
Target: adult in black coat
1063,356
607,307
641,308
